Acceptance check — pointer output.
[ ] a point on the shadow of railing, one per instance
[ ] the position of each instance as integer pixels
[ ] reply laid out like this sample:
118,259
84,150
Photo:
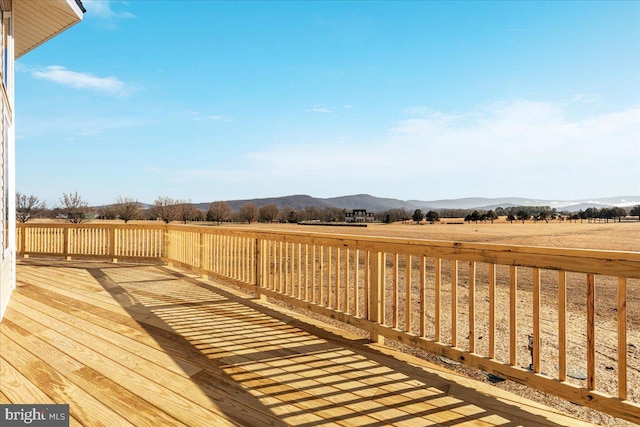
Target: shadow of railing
260,366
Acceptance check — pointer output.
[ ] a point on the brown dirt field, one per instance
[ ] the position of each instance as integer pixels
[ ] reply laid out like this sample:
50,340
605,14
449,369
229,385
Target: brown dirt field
623,236
612,236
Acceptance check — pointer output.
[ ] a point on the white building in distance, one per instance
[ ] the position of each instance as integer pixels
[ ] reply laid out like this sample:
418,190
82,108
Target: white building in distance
359,215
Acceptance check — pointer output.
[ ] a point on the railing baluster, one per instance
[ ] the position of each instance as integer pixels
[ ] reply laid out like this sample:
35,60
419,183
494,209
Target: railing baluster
306,272
591,332
395,273
562,326
345,290
492,311
271,258
423,297
313,274
356,282
375,283
299,271
407,294
337,274
66,242
454,303
289,264
513,315
622,337
367,284
383,289
437,282
112,243
280,262
536,320
472,307
322,281
329,281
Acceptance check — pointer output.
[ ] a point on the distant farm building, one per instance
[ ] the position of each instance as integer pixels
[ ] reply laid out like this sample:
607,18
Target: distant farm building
359,215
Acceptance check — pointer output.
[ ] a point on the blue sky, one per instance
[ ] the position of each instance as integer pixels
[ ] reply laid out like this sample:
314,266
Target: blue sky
213,100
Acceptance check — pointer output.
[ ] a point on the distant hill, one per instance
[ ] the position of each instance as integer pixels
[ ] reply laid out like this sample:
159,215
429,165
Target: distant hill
374,204
472,203
298,201
370,203
585,206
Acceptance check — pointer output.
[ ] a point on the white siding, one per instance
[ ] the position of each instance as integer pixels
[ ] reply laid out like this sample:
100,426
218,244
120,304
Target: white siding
7,176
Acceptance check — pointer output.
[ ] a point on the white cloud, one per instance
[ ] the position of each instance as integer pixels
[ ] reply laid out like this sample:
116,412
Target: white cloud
197,116
319,109
57,74
521,147
586,98
104,9
522,137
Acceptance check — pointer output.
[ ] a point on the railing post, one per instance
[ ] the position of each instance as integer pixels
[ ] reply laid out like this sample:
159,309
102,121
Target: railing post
165,245
65,243
259,266
201,255
591,332
23,241
112,243
376,281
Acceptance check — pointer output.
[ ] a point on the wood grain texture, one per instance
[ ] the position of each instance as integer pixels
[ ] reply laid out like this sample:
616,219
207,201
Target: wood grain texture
185,351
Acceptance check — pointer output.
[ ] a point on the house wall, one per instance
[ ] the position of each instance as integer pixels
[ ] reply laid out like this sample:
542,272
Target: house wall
7,158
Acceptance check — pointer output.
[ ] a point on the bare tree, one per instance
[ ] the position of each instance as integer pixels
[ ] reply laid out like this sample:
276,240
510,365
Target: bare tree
310,213
248,212
218,212
288,214
187,211
523,216
126,209
333,214
28,207
107,212
165,208
74,208
269,212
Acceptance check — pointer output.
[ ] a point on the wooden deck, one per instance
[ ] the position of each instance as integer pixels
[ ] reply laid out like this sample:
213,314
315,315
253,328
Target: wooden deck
147,345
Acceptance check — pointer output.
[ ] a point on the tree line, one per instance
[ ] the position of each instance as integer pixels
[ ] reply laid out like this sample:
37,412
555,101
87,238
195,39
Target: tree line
73,208
545,213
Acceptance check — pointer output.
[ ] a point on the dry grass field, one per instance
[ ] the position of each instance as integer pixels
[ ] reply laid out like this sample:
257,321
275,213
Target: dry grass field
623,236
603,236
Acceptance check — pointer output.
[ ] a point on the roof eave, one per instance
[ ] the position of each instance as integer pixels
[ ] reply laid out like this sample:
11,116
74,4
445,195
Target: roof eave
33,27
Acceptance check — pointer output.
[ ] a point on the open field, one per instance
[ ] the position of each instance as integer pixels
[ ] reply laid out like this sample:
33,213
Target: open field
605,236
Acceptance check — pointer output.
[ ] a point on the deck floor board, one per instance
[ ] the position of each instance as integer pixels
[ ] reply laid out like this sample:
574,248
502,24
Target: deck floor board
132,344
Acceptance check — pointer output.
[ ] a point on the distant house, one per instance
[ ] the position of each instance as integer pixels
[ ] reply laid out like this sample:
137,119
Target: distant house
359,215
24,25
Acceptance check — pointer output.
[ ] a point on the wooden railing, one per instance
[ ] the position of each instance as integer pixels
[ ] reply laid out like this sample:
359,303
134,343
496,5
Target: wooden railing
142,241
528,314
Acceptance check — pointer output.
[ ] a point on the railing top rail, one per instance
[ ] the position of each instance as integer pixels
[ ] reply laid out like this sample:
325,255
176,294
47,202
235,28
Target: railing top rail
593,261
158,226
605,262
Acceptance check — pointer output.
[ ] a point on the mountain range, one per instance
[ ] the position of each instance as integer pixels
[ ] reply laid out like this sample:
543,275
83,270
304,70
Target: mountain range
374,204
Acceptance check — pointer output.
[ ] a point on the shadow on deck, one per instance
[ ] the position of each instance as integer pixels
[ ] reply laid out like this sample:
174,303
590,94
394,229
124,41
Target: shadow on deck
131,344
